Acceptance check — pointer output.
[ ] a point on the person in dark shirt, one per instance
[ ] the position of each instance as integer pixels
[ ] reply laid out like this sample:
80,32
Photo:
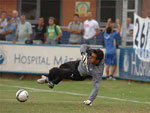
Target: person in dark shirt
40,31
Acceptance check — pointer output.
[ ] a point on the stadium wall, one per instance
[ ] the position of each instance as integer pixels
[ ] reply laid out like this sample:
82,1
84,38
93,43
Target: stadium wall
68,8
38,59
8,5
145,8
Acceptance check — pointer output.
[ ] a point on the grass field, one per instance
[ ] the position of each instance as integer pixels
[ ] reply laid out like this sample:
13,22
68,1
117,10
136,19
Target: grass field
67,97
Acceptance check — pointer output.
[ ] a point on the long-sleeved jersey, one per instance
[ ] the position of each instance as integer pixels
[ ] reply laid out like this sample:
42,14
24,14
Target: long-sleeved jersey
96,71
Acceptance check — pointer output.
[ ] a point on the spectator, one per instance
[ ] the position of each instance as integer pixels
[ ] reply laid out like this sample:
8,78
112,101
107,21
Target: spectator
110,54
75,28
129,26
15,18
24,30
3,23
53,32
130,37
9,30
91,30
40,31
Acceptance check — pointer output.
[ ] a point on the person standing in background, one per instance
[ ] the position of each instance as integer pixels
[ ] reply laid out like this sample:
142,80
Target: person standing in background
9,30
53,32
15,18
40,31
24,30
91,30
75,28
110,53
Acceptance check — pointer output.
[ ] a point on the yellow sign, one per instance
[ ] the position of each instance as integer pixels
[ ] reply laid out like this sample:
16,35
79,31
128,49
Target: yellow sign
82,8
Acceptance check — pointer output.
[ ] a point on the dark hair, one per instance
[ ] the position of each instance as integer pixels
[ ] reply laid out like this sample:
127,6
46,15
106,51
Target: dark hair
52,18
108,30
99,53
75,15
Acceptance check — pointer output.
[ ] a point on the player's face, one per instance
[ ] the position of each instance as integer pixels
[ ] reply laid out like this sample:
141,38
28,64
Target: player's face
89,15
51,21
15,14
41,20
23,19
9,22
93,59
76,18
3,15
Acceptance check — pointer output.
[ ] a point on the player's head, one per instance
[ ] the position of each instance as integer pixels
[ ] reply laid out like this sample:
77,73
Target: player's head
3,14
15,13
23,18
96,56
129,20
109,30
41,20
51,20
76,17
8,20
89,15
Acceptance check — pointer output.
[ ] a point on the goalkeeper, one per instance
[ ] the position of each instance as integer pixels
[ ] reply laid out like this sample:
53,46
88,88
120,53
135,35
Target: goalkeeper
91,64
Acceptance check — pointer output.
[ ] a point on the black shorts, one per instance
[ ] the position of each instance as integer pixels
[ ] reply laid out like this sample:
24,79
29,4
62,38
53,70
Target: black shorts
72,66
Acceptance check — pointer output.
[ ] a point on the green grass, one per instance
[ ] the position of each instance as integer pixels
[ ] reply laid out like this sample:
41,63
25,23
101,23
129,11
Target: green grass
53,102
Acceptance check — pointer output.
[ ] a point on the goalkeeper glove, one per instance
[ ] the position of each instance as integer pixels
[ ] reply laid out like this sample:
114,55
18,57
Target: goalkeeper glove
84,59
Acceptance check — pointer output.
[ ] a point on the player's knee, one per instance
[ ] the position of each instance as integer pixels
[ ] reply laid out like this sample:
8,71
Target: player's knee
54,70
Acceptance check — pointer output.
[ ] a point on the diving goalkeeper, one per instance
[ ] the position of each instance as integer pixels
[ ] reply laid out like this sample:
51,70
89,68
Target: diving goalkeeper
91,64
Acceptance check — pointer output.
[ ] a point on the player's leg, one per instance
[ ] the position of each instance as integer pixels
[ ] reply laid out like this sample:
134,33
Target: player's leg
113,69
53,75
58,74
107,71
107,63
113,66
72,68
43,79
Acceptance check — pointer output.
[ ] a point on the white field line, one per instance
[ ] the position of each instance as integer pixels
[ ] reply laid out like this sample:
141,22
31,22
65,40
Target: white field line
70,93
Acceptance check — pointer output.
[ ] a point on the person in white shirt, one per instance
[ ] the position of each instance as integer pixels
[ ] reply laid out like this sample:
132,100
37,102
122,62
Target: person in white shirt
91,30
129,26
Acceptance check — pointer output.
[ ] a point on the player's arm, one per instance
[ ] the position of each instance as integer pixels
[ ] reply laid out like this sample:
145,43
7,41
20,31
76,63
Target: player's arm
97,28
96,83
59,33
97,32
79,30
7,32
16,37
85,51
118,26
108,23
29,32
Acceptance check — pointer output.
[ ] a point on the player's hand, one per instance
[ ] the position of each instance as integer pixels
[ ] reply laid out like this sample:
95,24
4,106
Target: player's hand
87,102
117,21
109,20
84,59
